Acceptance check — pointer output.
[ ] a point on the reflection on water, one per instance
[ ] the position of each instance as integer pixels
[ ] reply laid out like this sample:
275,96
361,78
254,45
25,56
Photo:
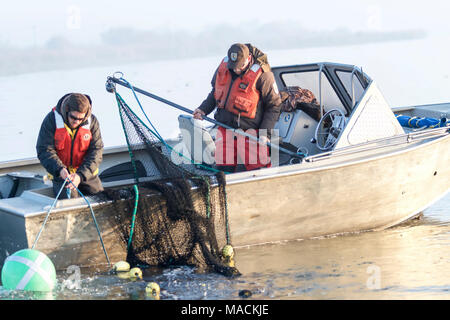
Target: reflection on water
410,261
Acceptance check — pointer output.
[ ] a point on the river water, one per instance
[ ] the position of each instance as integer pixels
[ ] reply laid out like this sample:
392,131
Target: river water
410,261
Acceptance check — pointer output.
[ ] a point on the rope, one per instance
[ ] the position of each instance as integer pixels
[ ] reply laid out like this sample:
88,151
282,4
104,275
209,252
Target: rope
156,133
48,214
227,226
121,103
92,213
133,217
130,152
142,109
208,197
95,221
208,194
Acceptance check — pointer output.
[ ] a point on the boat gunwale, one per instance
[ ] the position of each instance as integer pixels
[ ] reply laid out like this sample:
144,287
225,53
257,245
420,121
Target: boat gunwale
262,174
296,169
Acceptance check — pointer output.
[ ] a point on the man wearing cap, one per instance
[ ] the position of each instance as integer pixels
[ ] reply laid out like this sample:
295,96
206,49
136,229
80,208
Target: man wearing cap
70,145
246,97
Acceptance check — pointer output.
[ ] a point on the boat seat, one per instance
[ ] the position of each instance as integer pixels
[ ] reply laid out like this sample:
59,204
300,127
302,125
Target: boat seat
13,184
122,171
296,129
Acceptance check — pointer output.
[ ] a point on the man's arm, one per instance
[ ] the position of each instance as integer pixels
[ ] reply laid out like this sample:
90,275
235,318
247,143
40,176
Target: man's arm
271,101
45,147
209,104
94,154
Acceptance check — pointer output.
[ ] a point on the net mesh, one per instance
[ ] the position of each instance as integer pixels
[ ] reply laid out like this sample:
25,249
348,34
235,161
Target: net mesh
181,216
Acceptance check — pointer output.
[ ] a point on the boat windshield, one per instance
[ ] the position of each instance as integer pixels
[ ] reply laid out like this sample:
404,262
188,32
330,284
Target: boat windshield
324,93
352,85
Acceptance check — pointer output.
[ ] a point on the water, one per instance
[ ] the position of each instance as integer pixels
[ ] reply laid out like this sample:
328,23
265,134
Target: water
410,261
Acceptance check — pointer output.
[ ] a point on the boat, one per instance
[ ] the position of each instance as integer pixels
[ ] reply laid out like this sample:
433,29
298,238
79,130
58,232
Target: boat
360,170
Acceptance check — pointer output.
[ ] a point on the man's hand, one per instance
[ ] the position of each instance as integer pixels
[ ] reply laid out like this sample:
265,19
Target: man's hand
264,140
198,114
75,180
64,173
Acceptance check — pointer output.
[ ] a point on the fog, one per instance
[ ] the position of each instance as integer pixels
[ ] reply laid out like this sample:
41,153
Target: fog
171,48
49,35
127,45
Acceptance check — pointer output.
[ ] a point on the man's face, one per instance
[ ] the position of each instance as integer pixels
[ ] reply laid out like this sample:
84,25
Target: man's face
75,119
238,71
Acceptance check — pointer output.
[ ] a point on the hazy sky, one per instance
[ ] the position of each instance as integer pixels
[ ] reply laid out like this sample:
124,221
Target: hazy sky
27,23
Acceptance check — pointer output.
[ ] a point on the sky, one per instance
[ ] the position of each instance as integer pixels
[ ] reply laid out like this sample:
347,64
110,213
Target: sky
30,23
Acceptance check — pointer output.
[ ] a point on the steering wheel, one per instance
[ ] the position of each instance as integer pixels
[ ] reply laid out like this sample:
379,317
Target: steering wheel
329,128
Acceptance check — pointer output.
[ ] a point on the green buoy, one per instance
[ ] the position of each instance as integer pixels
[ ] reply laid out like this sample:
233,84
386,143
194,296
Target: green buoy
28,269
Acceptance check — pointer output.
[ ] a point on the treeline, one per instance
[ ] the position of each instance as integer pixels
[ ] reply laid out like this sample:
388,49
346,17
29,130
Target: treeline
127,45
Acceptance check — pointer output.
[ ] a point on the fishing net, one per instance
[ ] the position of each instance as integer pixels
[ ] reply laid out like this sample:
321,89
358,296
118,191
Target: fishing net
172,214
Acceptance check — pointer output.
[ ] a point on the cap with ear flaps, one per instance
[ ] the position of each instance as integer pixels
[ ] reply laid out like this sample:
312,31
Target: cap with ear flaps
237,55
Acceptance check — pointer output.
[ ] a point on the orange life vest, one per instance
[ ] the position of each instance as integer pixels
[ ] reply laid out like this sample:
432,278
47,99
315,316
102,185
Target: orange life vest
239,96
71,150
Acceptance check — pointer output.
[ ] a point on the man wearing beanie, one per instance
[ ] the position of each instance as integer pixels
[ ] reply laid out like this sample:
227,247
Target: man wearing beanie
246,97
70,145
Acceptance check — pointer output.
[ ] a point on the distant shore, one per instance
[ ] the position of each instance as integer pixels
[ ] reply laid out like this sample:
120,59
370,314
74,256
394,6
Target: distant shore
126,45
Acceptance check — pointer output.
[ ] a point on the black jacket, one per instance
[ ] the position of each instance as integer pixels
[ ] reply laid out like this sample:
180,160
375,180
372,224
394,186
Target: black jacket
46,151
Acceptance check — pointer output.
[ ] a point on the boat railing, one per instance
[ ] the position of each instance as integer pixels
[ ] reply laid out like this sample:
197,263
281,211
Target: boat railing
353,85
382,143
320,89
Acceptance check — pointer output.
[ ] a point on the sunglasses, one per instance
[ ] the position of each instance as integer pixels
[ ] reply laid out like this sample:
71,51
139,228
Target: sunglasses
75,118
